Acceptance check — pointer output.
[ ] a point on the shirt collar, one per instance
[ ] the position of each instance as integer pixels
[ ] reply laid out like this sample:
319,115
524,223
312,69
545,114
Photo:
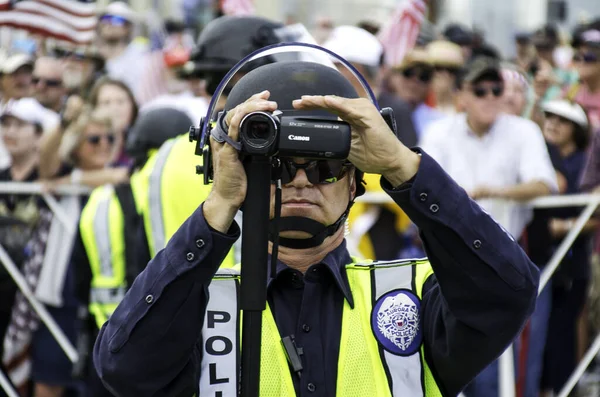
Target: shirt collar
335,262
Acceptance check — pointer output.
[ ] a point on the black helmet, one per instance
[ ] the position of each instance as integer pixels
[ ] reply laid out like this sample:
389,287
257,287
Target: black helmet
152,128
287,81
224,42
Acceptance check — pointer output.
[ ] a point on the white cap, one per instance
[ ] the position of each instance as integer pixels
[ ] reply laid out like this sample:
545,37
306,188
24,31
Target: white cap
31,111
120,9
355,45
569,110
14,62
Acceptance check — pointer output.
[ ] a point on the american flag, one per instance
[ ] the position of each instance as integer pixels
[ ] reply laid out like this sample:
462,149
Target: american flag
68,20
399,34
237,7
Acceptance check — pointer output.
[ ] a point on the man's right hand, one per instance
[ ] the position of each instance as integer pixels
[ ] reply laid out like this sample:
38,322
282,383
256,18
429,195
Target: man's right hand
229,177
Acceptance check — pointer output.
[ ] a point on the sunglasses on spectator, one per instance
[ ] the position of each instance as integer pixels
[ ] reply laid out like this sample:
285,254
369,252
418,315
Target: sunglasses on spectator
424,74
318,172
482,91
95,140
586,57
79,55
114,20
47,82
115,42
449,69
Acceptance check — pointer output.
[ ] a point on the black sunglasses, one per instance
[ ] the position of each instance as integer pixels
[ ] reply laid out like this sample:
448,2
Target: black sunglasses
424,74
95,139
47,82
317,171
481,92
586,57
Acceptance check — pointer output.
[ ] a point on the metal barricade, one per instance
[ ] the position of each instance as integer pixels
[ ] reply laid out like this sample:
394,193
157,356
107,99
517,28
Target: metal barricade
506,375
13,271
589,203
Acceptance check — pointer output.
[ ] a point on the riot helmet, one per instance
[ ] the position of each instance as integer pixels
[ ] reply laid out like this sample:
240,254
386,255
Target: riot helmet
152,128
286,81
224,42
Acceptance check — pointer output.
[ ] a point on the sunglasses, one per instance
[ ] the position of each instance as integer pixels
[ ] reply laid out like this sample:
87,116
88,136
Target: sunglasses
114,20
586,57
424,74
318,172
47,82
96,139
481,91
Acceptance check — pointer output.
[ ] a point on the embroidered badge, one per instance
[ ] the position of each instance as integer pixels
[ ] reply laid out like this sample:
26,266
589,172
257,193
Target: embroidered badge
396,322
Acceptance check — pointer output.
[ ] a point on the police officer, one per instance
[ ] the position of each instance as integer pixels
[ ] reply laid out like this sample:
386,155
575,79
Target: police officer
108,225
222,43
417,328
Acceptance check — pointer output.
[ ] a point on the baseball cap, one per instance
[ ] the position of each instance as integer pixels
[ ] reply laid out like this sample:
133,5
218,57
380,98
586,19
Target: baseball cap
355,45
14,62
116,12
479,67
569,110
416,56
445,53
30,111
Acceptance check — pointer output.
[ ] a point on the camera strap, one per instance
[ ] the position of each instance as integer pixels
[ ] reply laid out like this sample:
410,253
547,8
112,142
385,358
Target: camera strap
220,132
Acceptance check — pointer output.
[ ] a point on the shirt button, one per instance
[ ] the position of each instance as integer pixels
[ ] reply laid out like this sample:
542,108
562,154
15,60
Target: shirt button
199,243
149,299
311,387
190,256
423,196
306,328
434,208
477,244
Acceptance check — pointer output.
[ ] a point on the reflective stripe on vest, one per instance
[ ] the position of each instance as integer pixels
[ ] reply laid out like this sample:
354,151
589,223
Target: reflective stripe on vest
156,236
174,192
367,364
101,227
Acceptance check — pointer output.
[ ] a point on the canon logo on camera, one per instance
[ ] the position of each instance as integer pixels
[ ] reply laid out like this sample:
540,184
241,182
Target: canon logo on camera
298,138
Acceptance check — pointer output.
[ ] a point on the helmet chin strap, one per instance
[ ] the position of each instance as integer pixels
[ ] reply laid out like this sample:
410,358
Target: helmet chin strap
318,231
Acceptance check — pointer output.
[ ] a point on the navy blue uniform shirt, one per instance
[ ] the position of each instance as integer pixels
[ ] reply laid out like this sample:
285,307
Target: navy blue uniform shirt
483,291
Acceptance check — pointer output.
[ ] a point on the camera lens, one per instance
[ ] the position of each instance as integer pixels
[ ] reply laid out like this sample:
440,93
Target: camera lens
259,129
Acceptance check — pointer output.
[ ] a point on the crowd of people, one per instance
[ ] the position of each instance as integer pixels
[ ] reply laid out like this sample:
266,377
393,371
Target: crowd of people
508,130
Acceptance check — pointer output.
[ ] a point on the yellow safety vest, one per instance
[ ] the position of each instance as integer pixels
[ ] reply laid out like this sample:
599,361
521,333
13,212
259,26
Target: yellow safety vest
383,331
102,227
174,192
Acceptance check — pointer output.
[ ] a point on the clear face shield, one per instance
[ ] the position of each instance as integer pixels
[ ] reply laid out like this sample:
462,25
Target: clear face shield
285,52
320,138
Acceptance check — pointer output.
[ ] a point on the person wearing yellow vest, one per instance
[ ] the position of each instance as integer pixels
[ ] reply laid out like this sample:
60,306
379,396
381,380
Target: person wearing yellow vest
221,44
357,328
108,224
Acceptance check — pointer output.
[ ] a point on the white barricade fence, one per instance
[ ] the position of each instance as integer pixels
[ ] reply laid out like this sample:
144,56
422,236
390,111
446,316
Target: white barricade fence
589,204
507,382
12,269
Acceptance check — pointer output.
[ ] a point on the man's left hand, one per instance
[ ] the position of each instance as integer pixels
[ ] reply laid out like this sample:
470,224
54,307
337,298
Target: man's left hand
485,192
375,148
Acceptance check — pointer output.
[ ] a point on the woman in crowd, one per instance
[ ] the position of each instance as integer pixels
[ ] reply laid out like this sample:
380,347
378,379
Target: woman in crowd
566,127
117,99
85,152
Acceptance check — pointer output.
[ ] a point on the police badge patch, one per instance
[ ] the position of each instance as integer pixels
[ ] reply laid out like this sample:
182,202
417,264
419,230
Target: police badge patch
396,322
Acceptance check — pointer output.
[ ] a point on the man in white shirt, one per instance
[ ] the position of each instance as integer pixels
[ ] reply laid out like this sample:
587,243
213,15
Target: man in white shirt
497,158
501,160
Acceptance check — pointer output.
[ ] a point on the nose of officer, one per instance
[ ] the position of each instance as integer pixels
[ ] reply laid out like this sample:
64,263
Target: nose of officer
300,180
